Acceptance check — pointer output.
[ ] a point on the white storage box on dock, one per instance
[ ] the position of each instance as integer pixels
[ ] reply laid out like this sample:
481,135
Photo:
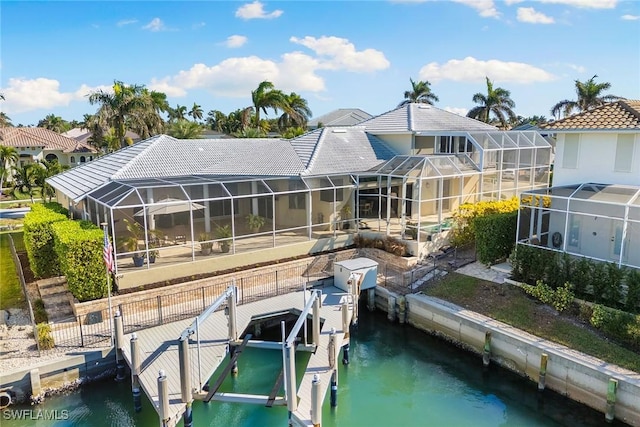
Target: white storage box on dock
342,270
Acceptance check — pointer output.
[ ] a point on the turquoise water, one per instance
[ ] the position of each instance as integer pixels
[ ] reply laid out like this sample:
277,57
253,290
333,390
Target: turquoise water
398,376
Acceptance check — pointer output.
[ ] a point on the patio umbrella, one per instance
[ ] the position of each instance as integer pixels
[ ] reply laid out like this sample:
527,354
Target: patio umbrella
170,206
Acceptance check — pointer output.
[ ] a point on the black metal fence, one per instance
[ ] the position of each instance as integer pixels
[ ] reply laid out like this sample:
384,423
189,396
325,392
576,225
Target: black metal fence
95,327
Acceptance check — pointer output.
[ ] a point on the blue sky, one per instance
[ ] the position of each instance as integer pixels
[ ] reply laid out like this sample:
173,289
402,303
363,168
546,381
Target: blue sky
336,54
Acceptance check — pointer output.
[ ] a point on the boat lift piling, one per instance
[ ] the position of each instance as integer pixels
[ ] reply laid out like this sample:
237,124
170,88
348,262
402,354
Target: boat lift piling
185,379
119,336
135,373
163,399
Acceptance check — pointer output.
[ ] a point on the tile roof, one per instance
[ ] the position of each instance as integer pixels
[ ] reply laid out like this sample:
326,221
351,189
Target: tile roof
621,114
83,135
344,150
419,117
41,137
340,117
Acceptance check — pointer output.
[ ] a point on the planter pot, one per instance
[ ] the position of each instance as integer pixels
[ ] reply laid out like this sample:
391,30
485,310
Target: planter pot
224,248
152,259
138,261
205,251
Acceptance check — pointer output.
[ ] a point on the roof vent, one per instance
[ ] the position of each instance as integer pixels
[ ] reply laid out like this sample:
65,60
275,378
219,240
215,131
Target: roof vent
424,106
200,149
339,131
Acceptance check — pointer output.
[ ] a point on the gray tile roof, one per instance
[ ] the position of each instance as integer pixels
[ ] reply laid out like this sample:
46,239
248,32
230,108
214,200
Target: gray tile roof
340,117
419,117
343,150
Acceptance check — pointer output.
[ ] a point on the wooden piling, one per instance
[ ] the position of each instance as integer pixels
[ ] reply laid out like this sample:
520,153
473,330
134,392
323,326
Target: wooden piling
316,402
371,299
486,354
135,373
119,338
612,389
163,399
391,310
543,371
402,309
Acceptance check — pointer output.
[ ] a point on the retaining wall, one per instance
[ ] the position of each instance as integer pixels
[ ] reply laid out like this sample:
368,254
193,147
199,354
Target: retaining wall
578,376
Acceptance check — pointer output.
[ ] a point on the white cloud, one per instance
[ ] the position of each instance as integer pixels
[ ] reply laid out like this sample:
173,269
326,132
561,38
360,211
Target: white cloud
529,15
512,2
256,10
578,68
337,53
155,25
235,41
124,22
457,110
630,17
585,4
23,95
471,69
198,25
486,8
163,85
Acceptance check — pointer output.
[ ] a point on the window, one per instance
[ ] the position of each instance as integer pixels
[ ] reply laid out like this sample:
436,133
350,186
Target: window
327,195
82,159
297,200
73,159
570,154
624,153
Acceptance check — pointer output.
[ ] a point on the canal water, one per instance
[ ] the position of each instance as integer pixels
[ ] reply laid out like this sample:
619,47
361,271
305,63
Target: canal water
398,376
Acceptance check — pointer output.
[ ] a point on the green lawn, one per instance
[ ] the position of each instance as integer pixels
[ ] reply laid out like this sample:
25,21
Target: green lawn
10,289
511,305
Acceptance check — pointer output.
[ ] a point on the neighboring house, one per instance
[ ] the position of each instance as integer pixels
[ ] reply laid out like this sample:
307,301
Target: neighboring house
84,135
399,172
593,209
37,144
339,117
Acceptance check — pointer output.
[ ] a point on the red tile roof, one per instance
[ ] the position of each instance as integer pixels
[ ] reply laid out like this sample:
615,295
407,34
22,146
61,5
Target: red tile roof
622,114
41,137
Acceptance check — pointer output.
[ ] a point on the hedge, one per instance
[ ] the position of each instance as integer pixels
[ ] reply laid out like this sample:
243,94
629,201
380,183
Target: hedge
495,236
78,247
463,231
38,238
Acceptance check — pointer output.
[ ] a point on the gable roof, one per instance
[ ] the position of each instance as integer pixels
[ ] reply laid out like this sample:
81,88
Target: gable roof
621,114
41,137
340,117
420,117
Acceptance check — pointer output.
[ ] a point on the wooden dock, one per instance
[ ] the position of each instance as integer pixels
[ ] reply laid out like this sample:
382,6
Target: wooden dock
159,349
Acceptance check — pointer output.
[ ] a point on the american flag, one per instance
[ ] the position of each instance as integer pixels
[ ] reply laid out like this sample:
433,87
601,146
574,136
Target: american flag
107,253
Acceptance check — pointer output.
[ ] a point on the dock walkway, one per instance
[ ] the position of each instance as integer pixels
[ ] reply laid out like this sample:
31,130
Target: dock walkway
159,349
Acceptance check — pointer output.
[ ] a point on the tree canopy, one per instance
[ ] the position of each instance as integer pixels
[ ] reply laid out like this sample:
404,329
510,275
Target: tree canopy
496,102
420,92
589,95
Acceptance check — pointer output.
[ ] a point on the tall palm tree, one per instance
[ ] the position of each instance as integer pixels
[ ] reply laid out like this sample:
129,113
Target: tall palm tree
216,120
264,97
420,92
296,111
497,101
179,112
196,112
185,129
128,107
5,121
589,96
8,157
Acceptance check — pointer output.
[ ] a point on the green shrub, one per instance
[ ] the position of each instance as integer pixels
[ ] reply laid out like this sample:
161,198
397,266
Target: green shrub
622,326
463,231
612,292
561,298
44,337
582,275
39,313
598,281
495,236
38,239
632,299
80,253
530,263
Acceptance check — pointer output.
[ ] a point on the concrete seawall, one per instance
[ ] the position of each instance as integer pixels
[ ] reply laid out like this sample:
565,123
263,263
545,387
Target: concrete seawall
580,377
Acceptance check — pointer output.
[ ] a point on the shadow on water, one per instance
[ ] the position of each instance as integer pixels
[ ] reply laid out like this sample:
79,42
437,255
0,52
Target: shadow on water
398,376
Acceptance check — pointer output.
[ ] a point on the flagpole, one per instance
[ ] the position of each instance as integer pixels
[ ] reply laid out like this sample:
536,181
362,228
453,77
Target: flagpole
106,234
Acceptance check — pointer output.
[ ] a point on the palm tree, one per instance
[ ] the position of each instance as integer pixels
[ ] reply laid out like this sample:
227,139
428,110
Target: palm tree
216,120
420,92
5,121
128,107
24,179
185,129
497,102
589,96
179,112
8,157
264,97
296,111
196,112
54,123
46,170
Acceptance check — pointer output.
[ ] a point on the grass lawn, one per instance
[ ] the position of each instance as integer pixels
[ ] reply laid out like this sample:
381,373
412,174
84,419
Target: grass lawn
511,305
10,289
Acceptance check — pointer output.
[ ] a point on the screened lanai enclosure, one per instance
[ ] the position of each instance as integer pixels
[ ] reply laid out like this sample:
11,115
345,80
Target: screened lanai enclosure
411,197
598,221
180,219
415,196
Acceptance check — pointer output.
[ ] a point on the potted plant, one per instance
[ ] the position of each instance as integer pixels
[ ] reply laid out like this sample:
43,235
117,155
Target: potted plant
224,232
131,243
345,215
255,222
205,244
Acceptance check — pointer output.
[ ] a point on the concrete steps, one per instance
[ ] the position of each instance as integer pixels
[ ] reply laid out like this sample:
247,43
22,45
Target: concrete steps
56,299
